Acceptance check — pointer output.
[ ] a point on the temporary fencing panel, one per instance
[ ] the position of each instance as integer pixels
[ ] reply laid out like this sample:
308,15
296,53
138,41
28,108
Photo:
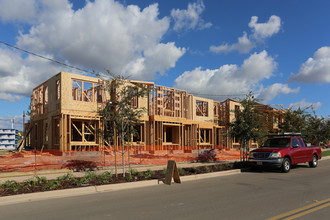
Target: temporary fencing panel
109,156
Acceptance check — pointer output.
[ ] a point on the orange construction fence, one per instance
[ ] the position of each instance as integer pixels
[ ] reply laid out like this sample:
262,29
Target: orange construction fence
109,156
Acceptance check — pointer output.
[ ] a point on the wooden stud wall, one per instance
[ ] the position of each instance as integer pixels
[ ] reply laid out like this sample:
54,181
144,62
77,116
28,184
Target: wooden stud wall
166,107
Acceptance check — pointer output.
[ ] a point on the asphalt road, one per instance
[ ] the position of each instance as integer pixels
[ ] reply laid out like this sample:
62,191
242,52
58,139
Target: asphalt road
249,195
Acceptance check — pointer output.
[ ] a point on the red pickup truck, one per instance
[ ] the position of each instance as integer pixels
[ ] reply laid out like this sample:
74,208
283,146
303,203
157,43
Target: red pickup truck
283,151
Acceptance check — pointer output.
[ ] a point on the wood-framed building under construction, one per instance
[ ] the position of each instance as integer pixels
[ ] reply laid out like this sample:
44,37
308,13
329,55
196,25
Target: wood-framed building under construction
64,116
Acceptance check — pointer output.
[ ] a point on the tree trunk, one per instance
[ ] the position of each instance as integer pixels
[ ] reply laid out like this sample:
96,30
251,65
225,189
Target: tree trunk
245,147
123,148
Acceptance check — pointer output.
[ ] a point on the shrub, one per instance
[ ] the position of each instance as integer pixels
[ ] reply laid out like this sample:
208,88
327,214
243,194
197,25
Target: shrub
148,174
164,171
90,177
134,172
207,155
41,180
217,167
30,183
67,177
229,165
207,169
129,177
52,184
11,185
181,171
194,169
103,178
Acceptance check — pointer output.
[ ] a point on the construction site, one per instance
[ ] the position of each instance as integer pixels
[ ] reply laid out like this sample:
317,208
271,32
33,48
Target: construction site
65,120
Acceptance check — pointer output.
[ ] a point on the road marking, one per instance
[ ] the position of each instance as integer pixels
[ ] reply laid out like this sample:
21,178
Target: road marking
302,211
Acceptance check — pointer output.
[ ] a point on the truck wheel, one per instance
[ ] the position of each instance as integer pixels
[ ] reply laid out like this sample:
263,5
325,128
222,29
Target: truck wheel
314,161
286,165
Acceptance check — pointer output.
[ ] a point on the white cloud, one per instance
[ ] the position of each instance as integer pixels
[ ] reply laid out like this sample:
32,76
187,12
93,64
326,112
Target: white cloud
269,93
258,66
229,79
9,97
19,10
29,11
20,75
304,104
189,19
102,35
246,43
157,59
264,30
315,69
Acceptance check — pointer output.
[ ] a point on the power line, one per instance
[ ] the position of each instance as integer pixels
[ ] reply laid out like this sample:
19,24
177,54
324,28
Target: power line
46,58
86,71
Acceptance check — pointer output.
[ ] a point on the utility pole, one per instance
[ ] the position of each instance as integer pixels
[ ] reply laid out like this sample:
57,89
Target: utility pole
24,123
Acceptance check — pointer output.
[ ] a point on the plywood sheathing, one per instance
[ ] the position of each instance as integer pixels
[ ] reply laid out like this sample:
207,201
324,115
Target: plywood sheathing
55,103
173,116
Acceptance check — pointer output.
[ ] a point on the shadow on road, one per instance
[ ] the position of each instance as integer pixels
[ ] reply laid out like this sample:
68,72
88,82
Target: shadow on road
271,170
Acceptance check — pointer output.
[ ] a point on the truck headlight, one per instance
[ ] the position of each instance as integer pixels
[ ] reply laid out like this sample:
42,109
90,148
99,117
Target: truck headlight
251,155
275,155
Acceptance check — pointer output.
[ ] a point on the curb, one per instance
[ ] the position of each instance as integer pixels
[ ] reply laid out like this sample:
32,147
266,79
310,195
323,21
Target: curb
325,158
30,197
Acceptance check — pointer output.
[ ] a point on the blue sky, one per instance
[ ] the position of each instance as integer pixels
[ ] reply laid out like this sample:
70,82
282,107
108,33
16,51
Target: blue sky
280,50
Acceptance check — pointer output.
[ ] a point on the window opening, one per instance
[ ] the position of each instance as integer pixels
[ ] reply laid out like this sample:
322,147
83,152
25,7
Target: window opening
36,132
46,132
88,92
98,94
46,95
138,136
89,131
56,131
76,90
58,89
135,100
76,131
168,134
202,108
205,135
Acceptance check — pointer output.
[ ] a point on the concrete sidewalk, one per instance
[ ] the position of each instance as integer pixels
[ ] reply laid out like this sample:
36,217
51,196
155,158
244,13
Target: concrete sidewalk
53,174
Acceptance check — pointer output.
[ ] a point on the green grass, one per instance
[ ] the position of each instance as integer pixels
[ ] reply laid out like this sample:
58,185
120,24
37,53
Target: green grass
325,153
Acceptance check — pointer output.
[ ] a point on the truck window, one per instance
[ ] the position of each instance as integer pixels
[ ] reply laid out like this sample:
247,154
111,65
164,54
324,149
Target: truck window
277,142
302,144
295,142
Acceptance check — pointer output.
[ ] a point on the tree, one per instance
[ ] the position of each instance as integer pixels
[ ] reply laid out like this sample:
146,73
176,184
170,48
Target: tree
314,128
317,129
248,124
119,115
294,120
